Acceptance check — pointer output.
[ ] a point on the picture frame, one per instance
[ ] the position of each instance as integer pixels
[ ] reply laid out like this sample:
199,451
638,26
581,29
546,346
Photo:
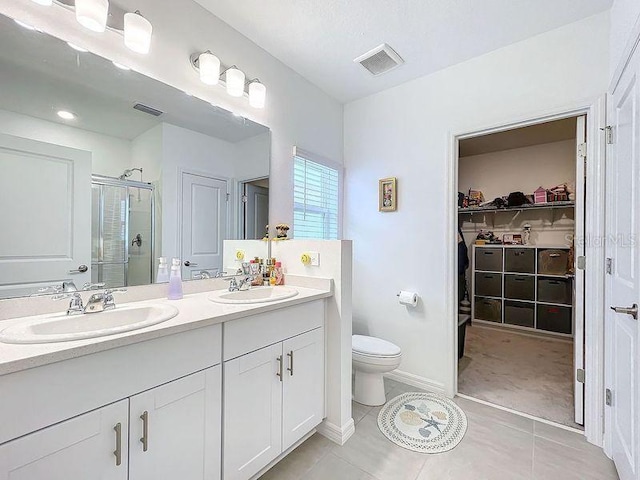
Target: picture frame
388,194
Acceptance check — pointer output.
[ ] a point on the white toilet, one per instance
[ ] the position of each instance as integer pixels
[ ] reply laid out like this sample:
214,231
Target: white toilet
371,358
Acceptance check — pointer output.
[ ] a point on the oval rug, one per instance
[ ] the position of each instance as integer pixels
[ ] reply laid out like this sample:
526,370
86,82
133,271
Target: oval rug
423,422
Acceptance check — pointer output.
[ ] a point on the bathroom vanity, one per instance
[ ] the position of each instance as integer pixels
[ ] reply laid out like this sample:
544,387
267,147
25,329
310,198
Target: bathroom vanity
218,391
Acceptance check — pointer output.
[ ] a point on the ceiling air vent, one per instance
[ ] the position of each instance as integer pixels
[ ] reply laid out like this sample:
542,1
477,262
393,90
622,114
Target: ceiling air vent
147,109
380,60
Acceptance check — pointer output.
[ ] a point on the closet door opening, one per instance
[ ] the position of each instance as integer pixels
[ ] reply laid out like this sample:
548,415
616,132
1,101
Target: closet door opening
521,204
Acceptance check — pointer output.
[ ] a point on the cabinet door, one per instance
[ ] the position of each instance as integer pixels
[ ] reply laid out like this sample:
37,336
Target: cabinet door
303,390
252,411
77,449
175,429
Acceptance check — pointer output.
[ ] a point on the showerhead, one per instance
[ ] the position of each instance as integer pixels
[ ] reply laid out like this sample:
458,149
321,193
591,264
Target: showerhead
128,172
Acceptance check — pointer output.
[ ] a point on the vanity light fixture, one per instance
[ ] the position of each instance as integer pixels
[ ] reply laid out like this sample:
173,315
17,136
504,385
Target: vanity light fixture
137,32
121,66
66,115
46,3
77,48
209,67
92,14
257,94
235,81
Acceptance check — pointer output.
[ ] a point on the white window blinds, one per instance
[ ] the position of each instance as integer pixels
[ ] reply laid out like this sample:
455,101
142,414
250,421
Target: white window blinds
316,199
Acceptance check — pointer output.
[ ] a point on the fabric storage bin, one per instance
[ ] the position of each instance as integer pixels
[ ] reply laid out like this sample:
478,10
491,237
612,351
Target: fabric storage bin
555,290
519,313
552,261
554,318
488,309
488,259
520,287
488,284
520,260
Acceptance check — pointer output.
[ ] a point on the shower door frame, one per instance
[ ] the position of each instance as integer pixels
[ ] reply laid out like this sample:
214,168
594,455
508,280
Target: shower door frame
116,182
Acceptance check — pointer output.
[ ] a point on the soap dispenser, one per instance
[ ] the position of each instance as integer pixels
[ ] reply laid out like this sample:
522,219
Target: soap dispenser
175,280
163,271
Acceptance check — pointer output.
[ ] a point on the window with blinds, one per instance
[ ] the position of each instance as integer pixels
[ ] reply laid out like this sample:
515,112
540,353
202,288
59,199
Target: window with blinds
316,199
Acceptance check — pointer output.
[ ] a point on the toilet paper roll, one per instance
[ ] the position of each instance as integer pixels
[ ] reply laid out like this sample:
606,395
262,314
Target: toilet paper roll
408,298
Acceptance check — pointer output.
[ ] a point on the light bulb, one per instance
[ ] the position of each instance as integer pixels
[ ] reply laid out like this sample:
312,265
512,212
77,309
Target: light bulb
64,114
235,82
137,32
92,14
257,94
209,66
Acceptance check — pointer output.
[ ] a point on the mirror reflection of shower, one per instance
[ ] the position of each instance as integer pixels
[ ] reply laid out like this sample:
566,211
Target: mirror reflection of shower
122,230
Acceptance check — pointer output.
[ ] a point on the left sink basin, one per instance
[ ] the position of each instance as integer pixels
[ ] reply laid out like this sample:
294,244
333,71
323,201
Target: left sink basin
63,328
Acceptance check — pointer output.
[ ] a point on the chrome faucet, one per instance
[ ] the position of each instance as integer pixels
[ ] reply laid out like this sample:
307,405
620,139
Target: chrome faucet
242,283
98,302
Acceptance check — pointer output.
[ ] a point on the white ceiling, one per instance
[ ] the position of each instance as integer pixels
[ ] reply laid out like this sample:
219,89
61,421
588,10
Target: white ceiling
320,39
40,75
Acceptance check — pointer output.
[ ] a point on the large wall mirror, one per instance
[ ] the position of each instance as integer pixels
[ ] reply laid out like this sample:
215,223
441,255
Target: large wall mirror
103,170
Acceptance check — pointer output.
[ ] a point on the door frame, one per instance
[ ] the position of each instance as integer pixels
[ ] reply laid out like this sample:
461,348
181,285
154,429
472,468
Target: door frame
239,189
595,110
201,173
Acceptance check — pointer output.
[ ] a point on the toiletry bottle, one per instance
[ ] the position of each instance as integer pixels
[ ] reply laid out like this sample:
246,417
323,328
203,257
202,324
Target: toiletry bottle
272,277
175,280
255,273
279,273
163,271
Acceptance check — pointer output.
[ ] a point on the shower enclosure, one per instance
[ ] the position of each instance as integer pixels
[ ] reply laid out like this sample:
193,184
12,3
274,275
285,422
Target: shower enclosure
122,232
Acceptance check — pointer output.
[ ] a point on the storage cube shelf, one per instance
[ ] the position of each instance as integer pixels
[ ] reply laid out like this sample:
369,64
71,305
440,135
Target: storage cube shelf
522,286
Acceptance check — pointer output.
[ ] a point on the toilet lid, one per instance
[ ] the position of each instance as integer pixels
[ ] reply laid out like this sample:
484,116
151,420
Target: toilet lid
374,346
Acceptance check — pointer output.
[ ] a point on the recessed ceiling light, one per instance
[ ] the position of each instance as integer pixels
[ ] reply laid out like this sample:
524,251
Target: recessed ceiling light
77,48
121,66
64,114
24,25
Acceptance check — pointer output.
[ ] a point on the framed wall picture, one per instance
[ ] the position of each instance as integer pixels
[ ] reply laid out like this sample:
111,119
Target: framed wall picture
388,195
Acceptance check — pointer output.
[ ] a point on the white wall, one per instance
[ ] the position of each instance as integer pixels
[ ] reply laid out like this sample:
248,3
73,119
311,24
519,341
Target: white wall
405,132
520,170
625,14
109,155
252,157
297,112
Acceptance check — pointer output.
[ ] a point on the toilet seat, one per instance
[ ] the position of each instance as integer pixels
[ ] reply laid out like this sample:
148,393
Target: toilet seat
365,346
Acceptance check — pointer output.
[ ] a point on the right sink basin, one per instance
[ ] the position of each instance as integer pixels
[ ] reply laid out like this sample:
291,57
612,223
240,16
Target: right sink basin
254,295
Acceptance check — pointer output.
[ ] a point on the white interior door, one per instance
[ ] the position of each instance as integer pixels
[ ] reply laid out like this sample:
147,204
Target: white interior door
256,211
45,198
175,429
623,284
578,304
204,223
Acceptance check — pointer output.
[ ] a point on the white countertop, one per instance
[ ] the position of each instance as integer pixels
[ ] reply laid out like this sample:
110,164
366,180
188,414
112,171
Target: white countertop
195,311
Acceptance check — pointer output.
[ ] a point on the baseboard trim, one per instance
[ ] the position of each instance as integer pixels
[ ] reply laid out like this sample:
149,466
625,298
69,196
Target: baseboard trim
335,433
416,381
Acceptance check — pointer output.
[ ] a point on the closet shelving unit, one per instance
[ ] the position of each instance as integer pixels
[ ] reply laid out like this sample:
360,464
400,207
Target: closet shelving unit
550,206
520,286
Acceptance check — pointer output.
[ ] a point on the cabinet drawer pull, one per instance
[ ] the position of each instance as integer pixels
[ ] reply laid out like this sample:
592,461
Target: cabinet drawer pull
279,372
145,431
290,367
118,451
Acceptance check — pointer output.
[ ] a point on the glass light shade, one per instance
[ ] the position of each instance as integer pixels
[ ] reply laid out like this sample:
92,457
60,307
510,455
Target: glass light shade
137,33
209,66
257,94
46,3
92,14
235,82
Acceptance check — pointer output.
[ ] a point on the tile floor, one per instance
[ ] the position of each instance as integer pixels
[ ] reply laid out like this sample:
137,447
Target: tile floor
498,445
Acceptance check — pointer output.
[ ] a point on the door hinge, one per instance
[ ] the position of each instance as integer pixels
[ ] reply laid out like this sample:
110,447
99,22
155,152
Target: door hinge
609,266
228,196
581,262
580,375
608,134
582,150
244,199
608,397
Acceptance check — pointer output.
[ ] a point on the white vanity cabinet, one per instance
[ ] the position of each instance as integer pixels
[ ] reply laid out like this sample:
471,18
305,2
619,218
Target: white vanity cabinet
273,395
76,449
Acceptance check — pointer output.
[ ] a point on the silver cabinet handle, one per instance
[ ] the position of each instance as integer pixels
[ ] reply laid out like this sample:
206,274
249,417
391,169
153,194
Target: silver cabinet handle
118,451
80,269
290,367
633,310
145,431
279,372
187,263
